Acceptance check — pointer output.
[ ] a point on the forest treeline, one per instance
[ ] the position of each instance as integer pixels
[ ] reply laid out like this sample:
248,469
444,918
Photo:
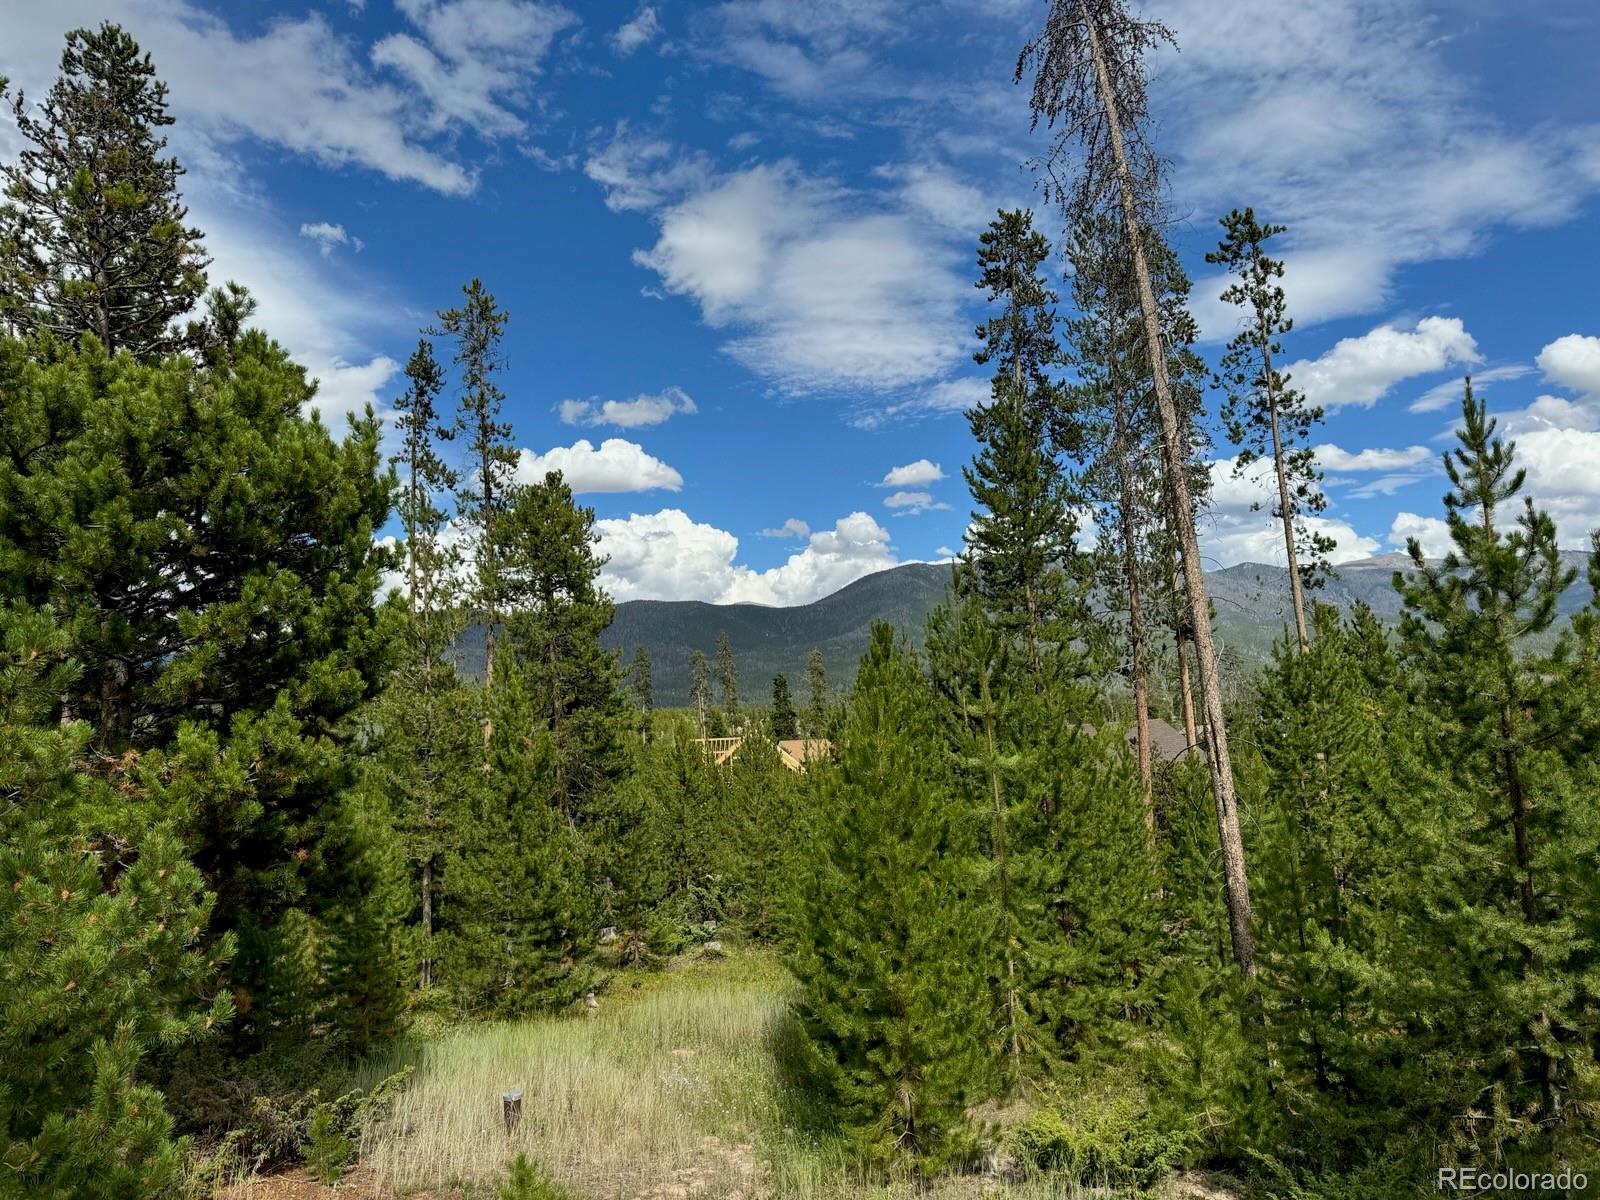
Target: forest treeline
256,821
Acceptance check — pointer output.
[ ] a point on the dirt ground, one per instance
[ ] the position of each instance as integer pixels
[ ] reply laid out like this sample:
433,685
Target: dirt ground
297,1185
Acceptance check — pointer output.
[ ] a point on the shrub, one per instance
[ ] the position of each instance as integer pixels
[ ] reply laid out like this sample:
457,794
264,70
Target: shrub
525,1181
328,1150
1100,1140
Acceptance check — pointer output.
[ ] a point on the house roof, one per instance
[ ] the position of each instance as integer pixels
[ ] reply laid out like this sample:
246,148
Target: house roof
806,749
1167,744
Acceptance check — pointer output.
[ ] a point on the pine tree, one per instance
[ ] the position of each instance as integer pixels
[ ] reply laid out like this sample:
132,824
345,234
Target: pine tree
785,724
100,951
210,552
1069,865
819,696
1264,415
1109,418
892,1007
1343,854
422,735
92,238
1524,849
483,492
515,905
1090,77
727,677
1021,547
555,612
639,680
699,688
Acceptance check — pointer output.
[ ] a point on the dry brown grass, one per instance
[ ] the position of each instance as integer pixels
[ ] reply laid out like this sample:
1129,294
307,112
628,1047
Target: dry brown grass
659,1093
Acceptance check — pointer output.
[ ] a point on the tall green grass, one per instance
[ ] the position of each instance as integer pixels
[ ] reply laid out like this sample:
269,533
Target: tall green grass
673,1090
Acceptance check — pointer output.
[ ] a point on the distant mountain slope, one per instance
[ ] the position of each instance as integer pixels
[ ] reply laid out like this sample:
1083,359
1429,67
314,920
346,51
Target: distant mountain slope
1251,602
767,641
1252,599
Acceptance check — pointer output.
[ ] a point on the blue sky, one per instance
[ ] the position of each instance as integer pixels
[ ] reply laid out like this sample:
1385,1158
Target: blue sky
736,240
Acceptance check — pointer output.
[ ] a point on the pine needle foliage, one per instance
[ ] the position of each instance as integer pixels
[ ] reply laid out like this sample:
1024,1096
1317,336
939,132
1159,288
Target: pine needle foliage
893,1010
92,233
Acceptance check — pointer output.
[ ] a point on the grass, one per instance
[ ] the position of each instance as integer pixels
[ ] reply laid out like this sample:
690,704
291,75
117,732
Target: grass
670,1090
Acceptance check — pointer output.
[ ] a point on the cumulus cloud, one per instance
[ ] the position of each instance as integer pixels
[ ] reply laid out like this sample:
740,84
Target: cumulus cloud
1234,531
1573,362
1359,370
909,503
643,410
474,59
819,289
794,527
1334,458
643,28
913,474
1431,533
941,195
327,236
614,466
668,556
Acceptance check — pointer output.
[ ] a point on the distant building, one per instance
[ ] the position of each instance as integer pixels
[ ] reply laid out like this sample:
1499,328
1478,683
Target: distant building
1166,743
794,753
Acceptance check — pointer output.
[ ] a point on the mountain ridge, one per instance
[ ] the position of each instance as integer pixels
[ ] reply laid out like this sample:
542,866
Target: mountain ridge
1251,601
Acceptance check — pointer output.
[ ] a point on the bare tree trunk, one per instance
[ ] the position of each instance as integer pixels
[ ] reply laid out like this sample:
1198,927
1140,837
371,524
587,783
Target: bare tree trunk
1236,884
1191,731
427,920
1287,513
1136,636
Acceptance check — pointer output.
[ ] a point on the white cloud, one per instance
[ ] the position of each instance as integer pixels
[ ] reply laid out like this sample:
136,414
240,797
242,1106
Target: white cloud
820,289
1344,121
942,398
1563,468
1231,532
936,192
668,556
1448,393
1431,533
794,527
1359,370
913,474
1334,458
1573,362
327,235
1385,485
910,504
615,466
475,60
397,108
644,27
643,410
638,172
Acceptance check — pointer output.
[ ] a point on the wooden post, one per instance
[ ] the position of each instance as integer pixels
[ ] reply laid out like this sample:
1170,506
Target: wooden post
511,1110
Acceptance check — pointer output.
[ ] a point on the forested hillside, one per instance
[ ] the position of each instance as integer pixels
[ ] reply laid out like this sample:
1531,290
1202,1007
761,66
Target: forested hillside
295,892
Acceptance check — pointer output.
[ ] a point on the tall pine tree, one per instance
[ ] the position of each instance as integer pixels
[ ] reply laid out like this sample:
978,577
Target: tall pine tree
1022,553
1264,416
555,612
892,1005
92,233
1508,738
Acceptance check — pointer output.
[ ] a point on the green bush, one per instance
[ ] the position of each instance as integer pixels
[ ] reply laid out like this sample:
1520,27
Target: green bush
1103,1141
525,1181
328,1149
